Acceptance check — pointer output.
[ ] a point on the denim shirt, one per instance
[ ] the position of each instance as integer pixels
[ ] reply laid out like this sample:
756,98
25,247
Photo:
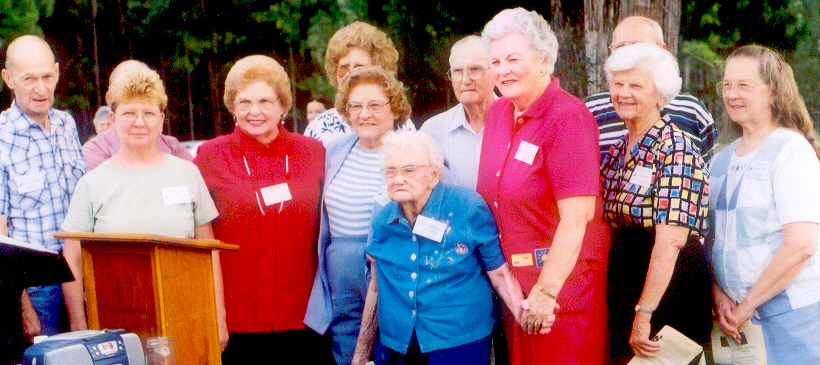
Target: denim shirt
437,289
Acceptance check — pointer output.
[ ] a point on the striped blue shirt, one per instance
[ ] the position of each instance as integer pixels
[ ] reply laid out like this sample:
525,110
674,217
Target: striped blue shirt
350,196
39,173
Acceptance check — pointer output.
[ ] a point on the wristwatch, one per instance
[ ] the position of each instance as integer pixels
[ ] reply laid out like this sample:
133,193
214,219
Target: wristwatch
638,308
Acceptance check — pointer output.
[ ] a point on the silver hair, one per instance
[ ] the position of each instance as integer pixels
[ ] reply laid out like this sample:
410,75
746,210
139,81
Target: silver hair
102,113
401,140
658,62
527,23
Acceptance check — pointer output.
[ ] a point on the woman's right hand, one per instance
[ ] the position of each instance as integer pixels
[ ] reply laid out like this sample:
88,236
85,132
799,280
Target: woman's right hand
538,313
724,307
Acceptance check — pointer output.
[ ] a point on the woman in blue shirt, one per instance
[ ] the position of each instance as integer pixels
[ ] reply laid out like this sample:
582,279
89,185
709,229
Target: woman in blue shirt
428,251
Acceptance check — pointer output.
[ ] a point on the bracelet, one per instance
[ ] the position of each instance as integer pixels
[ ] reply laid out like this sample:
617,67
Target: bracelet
545,292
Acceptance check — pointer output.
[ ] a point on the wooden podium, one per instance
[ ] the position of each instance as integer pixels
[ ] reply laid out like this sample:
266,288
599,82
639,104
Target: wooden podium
153,286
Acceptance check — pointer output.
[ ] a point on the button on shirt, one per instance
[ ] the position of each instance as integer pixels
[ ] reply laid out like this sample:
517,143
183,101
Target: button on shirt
436,289
40,172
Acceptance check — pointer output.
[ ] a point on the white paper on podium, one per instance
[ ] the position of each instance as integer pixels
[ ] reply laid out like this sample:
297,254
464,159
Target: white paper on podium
676,349
751,351
13,242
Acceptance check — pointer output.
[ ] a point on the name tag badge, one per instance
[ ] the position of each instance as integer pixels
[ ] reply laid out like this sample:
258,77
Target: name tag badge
526,152
758,170
641,176
429,228
381,197
524,259
276,194
176,195
30,182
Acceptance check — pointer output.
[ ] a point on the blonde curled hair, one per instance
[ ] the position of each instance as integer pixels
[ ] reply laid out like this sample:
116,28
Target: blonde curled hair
374,75
138,84
365,37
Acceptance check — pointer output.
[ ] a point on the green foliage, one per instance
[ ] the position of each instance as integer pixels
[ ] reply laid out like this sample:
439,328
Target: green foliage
807,60
18,17
791,27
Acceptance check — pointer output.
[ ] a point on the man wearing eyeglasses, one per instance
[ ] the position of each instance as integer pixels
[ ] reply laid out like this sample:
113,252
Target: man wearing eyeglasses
687,112
459,131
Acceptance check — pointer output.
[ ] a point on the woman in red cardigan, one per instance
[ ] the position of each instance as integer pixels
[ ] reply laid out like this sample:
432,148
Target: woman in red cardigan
266,183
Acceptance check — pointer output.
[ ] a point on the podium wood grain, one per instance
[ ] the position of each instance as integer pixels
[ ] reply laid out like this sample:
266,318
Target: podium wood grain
153,286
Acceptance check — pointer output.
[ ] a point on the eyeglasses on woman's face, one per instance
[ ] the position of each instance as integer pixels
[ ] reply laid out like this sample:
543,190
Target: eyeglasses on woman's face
374,106
404,171
264,104
740,87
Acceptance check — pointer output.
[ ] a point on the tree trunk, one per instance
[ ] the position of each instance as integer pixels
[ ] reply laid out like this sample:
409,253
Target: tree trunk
600,19
567,21
97,84
217,108
190,104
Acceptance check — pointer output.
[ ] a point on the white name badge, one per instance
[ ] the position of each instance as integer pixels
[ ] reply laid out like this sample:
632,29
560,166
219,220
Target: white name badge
176,195
758,170
641,176
276,194
429,228
30,182
526,152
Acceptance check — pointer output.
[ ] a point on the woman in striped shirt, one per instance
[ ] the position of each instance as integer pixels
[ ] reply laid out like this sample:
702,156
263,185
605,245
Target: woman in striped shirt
373,102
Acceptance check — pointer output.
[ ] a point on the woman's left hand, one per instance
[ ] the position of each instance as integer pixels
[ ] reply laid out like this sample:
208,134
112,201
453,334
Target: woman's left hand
538,313
639,339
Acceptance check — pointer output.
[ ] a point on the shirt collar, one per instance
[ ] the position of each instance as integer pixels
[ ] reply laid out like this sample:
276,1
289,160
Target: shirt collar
23,121
544,102
248,143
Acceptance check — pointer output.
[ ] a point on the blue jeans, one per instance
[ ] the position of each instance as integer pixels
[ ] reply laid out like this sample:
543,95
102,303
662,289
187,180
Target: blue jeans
46,301
348,287
473,353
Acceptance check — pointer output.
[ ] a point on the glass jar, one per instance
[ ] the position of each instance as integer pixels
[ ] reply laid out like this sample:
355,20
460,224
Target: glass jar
159,351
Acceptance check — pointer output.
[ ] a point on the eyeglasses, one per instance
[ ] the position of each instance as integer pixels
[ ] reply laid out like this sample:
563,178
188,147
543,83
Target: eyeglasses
130,116
374,106
744,88
263,104
614,46
405,171
473,72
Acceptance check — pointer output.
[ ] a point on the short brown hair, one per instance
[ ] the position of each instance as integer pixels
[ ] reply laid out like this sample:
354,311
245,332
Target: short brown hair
138,84
366,37
374,75
257,68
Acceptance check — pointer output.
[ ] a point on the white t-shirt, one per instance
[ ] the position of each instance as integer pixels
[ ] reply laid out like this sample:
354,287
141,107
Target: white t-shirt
780,184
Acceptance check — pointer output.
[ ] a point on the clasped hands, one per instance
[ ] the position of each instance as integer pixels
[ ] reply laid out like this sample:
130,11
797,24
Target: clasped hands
730,315
536,314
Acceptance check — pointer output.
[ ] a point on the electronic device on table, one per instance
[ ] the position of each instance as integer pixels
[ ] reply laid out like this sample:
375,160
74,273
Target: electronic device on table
106,347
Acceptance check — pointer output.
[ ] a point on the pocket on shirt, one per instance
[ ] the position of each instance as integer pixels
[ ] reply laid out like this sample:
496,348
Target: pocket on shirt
26,189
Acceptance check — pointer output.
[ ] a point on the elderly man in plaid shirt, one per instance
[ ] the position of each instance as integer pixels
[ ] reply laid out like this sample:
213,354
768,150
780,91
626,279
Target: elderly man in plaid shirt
41,162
